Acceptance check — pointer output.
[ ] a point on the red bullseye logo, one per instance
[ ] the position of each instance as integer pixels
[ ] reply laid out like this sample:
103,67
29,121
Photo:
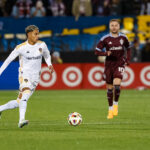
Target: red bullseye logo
72,76
95,76
145,75
128,77
47,79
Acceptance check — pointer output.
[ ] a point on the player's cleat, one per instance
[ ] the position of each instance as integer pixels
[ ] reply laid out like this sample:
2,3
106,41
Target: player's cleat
0,114
110,114
23,123
115,110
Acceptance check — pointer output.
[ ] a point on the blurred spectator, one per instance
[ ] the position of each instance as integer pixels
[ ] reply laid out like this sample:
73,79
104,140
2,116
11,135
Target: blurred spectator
146,51
95,4
57,7
2,7
103,8
22,9
81,8
56,59
8,7
38,10
68,5
115,8
145,7
135,51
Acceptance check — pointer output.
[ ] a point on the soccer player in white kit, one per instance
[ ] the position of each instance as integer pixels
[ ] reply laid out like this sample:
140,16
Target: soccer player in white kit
30,59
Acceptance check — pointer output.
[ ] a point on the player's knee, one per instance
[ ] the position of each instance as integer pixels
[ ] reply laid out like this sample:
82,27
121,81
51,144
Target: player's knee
117,87
109,90
26,90
18,100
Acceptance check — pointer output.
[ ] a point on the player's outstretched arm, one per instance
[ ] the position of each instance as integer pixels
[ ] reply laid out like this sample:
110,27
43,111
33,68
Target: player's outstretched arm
47,57
99,48
100,53
10,58
128,56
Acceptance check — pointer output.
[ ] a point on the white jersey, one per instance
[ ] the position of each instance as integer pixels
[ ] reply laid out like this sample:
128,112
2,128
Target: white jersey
30,58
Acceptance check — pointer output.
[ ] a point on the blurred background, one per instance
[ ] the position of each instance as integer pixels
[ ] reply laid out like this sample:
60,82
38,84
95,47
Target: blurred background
72,28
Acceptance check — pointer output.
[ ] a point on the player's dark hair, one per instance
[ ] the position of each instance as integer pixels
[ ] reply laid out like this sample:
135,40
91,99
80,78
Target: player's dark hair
116,20
30,28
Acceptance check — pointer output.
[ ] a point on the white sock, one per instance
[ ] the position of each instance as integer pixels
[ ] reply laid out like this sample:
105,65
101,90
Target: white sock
110,107
10,105
23,105
115,103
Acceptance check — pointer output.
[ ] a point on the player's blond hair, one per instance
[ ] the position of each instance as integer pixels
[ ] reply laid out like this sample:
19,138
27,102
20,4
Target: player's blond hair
114,20
30,28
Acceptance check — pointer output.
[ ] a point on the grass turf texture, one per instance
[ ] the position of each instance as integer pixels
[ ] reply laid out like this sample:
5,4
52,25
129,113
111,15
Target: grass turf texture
48,127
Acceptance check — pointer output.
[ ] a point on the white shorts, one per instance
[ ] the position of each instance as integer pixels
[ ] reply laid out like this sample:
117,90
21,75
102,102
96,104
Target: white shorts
28,82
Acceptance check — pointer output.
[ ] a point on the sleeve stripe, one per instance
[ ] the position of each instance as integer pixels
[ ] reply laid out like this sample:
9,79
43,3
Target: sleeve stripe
98,49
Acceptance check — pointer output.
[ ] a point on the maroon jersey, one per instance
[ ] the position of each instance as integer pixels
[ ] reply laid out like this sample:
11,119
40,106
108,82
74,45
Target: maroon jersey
115,63
118,47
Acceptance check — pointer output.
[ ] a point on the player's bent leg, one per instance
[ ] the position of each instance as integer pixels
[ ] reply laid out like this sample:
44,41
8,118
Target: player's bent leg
117,83
26,93
10,105
110,100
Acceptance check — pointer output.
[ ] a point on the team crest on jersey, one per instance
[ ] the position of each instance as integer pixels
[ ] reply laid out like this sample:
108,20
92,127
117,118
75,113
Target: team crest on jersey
110,42
26,80
40,49
121,41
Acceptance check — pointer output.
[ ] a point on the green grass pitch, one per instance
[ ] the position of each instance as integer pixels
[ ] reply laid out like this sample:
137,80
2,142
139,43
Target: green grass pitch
48,128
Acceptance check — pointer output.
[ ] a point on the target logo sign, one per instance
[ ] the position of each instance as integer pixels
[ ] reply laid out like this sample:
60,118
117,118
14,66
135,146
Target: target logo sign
145,75
95,76
72,76
47,79
128,77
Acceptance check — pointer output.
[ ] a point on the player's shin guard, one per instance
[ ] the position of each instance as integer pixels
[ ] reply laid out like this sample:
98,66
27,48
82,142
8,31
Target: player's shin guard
117,93
110,97
110,102
10,105
115,103
23,105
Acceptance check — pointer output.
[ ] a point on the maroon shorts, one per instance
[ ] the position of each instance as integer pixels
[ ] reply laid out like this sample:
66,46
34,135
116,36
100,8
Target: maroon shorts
112,72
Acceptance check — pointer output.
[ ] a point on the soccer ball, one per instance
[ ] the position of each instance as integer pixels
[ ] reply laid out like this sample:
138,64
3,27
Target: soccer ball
74,119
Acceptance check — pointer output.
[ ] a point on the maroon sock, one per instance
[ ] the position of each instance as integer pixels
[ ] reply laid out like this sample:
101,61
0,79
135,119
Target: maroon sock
110,96
117,92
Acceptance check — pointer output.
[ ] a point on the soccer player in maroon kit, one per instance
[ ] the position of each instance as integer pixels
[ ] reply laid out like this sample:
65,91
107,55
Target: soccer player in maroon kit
117,52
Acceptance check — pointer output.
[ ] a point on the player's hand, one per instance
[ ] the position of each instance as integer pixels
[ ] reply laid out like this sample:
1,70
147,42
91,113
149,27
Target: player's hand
108,53
127,63
51,69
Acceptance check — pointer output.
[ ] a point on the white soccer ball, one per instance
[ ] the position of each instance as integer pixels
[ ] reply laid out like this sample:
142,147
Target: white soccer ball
74,119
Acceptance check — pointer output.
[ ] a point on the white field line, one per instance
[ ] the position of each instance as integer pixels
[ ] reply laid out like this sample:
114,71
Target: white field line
66,124
52,97
99,96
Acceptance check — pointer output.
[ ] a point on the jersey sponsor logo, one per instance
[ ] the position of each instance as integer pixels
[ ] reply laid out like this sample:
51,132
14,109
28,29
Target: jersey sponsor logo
40,49
121,41
116,48
110,42
34,58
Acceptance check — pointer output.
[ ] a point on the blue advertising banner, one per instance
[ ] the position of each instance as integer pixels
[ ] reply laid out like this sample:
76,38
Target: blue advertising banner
56,24
9,78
